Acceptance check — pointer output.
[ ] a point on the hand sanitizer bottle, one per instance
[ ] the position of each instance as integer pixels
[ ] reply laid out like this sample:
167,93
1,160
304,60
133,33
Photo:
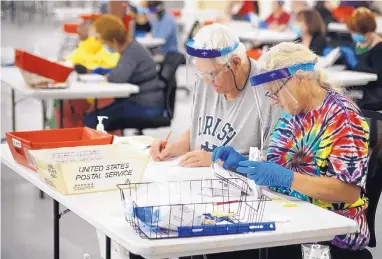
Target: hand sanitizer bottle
100,126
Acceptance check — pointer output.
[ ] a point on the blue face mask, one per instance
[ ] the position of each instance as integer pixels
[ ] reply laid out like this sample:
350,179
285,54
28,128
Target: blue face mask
297,30
358,38
108,49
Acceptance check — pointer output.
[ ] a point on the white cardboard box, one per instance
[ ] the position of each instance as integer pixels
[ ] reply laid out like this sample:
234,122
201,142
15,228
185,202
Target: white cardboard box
90,168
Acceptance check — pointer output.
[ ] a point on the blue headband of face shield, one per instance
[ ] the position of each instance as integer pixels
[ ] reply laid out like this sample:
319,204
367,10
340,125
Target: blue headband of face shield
281,73
208,53
155,9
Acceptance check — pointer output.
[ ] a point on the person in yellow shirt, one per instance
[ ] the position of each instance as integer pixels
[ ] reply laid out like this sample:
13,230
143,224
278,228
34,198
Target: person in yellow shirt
91,56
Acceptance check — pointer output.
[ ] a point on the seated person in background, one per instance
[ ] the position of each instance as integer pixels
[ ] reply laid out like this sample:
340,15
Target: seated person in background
367,56
90,54
136,66
222,98
297,6
163,25
322,8
311,30
104,8
142,25
279,18
240,10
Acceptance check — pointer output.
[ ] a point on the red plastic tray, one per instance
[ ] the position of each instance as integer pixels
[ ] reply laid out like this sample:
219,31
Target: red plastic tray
70,28
41,66
21,142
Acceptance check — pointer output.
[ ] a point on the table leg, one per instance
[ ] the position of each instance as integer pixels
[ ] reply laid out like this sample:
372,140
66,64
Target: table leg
108,248
96,106
13,113
263,253
13,110
42,196
44,118
56,229
61,114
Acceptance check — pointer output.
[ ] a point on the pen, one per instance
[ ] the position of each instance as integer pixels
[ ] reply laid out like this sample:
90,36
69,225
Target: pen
163,145
225,202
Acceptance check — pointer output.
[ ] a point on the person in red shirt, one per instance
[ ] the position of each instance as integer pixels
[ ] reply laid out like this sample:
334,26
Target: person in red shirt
239,10
279,18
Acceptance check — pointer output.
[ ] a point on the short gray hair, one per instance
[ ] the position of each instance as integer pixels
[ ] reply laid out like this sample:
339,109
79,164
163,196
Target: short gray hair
218,36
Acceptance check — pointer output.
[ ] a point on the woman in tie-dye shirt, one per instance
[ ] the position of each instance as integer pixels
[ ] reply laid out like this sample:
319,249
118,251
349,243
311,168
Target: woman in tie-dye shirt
318,151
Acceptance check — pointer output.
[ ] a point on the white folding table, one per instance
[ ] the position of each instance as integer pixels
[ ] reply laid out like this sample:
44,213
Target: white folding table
306,222
11,77
150,43
341,27
246,32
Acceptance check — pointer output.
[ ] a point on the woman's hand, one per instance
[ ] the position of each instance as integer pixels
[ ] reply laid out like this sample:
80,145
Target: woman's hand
170,150
229,156
267,174
197,158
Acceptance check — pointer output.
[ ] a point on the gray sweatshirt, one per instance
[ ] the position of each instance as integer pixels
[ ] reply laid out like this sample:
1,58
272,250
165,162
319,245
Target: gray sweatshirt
218,122
136,66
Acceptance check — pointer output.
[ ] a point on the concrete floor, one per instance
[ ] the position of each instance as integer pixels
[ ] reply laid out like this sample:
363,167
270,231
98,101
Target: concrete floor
26,220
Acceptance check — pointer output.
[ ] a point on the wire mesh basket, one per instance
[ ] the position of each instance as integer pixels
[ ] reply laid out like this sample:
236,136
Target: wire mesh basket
158,210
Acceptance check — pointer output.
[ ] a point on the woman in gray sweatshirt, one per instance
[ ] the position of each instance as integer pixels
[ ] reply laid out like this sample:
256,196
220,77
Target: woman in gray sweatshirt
136,66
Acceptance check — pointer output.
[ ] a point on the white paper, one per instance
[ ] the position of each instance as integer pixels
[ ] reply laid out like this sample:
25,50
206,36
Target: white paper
238,181
138,142
255,155
330,59
170,162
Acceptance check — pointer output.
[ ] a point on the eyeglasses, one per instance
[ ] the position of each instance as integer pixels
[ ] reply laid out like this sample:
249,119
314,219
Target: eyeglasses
211,76
275,95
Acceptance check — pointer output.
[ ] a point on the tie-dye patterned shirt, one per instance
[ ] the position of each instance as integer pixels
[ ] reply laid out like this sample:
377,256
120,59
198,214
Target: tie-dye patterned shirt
330,141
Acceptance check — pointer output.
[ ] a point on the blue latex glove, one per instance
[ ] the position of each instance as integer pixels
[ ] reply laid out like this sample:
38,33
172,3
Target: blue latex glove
263,25
101,71
267,174
247,17
229,156
349,54
326,51
140,34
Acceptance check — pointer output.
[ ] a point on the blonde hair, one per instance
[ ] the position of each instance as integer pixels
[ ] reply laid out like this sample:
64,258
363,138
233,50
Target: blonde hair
218,36
288,54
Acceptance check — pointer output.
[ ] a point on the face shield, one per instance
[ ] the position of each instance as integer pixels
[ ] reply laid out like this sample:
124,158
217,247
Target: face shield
202,70
275,84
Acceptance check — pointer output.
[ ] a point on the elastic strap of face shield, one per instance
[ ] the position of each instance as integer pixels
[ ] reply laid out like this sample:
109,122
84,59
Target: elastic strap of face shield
209,53
281,73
